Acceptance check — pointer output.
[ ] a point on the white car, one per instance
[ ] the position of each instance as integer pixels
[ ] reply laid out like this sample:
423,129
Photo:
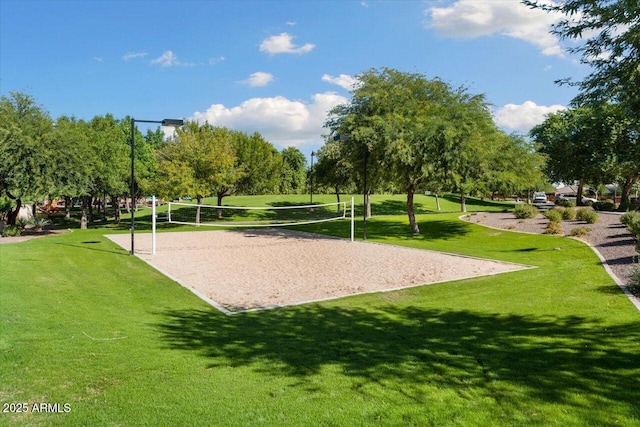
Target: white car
539,197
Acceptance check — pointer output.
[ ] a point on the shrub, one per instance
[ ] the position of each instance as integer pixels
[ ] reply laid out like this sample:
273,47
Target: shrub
22,223
634,228
554,227
525,211
629,217
554,215
39,223
587,215
580,231
10,231
565,203
604,206
634,284
569,214
627,206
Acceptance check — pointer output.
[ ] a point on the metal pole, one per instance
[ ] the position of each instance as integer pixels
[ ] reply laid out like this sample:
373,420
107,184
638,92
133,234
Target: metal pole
132,204
153,225
311,178
353,227
364,216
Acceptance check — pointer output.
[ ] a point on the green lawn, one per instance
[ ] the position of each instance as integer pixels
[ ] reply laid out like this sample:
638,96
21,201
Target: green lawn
83,323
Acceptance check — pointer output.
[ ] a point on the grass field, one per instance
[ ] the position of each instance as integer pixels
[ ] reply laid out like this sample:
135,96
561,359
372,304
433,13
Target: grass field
84,324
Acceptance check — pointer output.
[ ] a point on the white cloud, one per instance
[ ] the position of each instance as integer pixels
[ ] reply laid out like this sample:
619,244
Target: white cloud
259,79
478,18
98,58
283,43
343,80
169,59
214,61
133,55
282,121
523,117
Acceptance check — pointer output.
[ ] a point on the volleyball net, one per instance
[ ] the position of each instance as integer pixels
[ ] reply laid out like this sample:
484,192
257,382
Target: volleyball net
259,216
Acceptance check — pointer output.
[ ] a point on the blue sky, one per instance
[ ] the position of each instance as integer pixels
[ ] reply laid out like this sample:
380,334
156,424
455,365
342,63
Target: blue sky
275,67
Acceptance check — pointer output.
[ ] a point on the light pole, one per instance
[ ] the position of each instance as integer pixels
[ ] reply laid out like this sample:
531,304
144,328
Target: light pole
364,185
311,178
132,205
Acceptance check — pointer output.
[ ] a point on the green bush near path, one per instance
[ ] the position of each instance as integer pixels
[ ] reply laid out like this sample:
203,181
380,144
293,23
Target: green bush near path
84,323
523,211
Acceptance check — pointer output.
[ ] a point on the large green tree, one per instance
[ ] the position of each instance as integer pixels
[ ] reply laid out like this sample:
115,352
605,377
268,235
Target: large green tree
260,161
415,130
588,144
111,144
24,147
75,161
294,175
333,169
517,167
199,161
608,36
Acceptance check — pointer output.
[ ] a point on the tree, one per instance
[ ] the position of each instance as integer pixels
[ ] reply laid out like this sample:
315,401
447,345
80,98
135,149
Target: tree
333,168
612,49
25,167
260,162
415,131
110,138
294,173
74,161
199,161
590,144
517,167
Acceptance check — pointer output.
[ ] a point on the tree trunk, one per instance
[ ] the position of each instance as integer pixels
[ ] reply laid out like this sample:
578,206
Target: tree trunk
463,202
13,214
629,182
415,230
579,193
368,204
437,202
90,206
115,203
67,207
198,203
338,197
83,219
103,202
219,203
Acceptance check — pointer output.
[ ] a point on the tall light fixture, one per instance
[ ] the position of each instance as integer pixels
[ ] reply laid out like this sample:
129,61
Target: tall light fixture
132,206
311,178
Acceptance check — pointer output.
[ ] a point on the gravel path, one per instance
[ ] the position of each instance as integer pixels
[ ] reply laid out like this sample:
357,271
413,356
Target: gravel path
608,236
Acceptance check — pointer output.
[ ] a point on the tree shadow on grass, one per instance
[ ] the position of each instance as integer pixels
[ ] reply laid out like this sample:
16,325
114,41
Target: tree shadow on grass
549,359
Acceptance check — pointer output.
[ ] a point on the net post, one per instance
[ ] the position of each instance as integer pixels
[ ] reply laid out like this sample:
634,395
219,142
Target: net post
153,225
352,221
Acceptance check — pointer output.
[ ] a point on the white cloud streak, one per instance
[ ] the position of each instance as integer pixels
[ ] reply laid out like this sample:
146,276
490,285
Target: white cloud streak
479,18
169,59
259,79
345,81
283,43
134,55
282,121
523,117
